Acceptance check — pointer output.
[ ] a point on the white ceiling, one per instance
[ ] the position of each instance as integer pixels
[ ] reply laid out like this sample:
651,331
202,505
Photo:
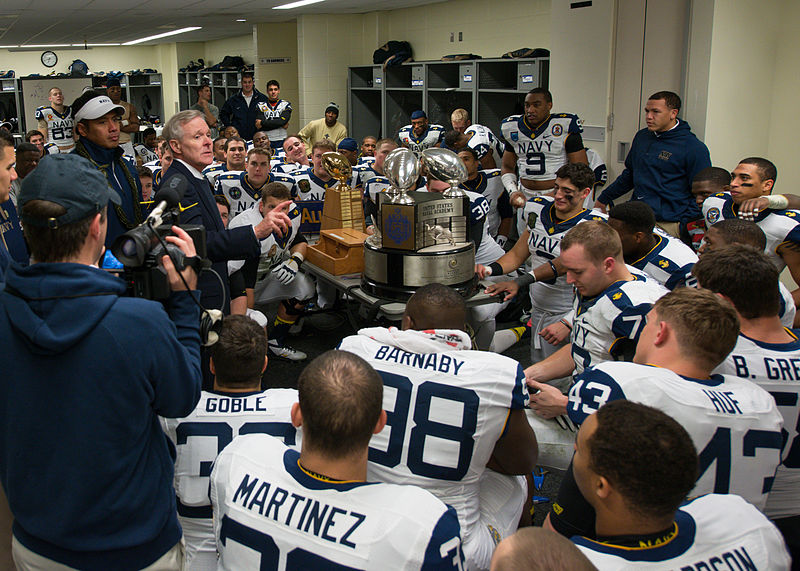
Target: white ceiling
33,22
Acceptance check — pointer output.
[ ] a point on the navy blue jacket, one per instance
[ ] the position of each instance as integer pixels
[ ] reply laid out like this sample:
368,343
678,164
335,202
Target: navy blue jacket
222,244
660,168
109,166
86,374
238,113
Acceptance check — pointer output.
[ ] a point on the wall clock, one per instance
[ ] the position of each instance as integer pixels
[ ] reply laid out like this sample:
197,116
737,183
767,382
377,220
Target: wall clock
49,58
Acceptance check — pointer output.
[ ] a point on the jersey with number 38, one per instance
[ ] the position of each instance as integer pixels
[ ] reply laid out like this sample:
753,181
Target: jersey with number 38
271,513
734,423
606,326
540,151
776,368
446,410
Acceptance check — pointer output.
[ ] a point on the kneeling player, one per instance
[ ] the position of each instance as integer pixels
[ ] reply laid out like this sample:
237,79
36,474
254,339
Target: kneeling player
277,509
236,406
275,275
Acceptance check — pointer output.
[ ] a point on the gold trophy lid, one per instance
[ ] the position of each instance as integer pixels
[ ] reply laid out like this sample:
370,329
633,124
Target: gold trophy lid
338,166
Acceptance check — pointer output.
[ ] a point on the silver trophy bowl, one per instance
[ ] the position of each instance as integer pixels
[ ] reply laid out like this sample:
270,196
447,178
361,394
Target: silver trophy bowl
401,167
444,165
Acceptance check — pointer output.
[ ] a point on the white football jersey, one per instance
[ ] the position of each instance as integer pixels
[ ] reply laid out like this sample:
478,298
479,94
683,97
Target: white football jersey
490,185
240,192
779,226
153,165
59,125
274,248
51,149
285,166
787,309
274,111
670,262
544,235
607,324
711,532
308,186
212,171
488,251
271,513
540,150
431,137
363,160
734,423
147,155
446,410
776,368
483,141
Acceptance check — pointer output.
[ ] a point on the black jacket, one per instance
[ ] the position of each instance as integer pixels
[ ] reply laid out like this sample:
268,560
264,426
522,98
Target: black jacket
236,112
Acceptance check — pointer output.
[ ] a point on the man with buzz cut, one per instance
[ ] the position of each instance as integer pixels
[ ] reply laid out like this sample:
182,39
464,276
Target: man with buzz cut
56,121
235,406
312,182
755,177
635,465
479,138
767,354
458,426
277,508
274,115
243,189
97,120
243,109
688,333
235,160
420,134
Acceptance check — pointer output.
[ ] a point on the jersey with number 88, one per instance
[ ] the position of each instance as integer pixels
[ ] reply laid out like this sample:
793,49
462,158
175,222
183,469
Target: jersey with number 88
776,368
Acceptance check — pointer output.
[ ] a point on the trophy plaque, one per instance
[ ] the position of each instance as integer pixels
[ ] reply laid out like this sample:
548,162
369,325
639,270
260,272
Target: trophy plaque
343,207
423,237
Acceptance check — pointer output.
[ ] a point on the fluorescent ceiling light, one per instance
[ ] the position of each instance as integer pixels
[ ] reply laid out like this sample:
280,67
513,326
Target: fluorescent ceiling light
295,4
241,19
164,35
7,47
44,46
93,45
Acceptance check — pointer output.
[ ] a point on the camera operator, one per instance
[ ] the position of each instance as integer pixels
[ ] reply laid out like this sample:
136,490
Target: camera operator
190,140
83,459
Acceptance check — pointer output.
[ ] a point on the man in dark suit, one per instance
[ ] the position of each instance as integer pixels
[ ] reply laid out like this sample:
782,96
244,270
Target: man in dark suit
190,140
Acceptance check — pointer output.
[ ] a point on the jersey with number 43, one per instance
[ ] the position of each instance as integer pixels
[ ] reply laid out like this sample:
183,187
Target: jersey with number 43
59,125
606,327
540,151
710,532
776,368
734,423
446,410
218,418
271,513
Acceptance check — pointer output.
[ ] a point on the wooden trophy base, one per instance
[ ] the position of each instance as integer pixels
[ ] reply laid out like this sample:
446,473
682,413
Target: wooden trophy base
343,209
339,251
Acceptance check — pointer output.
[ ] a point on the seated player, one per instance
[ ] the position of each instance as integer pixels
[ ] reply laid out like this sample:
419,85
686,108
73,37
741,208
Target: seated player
311,183
708,182
457,426
755,177
635,465
235,159
737,231
688,333
162,166
275,508
608,311
146,178
420,134
219,150
480,138
295,157
275,275
261,140
537,549
368,147
767,354
146,151
243,189
548,221
664,258
488,183
237,405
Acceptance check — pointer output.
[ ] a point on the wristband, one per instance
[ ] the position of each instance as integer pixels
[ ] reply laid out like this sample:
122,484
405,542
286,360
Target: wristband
495,269
526,279
297,257
510,182
777,202
124,122
565,323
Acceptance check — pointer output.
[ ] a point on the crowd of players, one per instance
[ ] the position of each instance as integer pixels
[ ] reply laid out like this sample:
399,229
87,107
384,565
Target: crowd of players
662,354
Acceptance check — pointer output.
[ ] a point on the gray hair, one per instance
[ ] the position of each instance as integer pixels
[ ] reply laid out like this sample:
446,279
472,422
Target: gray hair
174,127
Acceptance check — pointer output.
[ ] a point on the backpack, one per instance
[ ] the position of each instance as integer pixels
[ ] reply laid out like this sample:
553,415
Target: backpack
392,53
78,68
526,52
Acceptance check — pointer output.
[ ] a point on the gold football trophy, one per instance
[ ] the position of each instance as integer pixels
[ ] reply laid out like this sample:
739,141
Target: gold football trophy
343,207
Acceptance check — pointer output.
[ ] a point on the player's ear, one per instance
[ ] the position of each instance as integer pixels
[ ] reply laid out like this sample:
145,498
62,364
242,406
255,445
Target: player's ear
211,366
663,333
264,368
83,131
609,264
602,488
296,415
381,423
768,184
407,322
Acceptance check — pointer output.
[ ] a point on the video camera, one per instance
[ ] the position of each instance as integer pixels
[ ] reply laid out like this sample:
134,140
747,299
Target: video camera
140,250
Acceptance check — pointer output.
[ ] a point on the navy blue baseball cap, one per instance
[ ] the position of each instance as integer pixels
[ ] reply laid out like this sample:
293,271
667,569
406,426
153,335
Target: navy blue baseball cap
348,144
419,114
70,181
